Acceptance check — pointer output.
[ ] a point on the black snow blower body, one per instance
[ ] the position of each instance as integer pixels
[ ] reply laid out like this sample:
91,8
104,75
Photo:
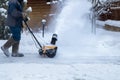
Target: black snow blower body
45,50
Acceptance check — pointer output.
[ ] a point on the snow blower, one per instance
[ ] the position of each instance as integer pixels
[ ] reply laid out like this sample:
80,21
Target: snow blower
45,50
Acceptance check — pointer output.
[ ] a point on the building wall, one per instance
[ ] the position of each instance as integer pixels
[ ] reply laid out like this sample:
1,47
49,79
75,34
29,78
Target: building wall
40,10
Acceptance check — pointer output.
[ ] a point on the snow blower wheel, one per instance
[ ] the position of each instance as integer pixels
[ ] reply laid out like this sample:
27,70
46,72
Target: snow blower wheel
51,52
40,52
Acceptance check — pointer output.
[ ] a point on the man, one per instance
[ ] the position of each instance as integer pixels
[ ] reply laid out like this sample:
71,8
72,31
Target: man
14,21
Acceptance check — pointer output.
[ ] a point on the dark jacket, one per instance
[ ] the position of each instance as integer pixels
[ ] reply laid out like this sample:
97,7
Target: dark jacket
14,17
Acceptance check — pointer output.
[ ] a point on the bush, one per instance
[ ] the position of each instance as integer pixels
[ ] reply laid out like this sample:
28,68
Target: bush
4,30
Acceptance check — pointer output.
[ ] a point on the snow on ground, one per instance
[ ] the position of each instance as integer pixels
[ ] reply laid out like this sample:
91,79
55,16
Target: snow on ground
34,71
81,54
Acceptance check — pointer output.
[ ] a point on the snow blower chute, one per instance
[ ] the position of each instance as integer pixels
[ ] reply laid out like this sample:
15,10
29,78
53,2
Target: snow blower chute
45,50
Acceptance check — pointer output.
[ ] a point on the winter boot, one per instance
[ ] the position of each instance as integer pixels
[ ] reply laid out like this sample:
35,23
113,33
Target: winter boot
15,48
6,46
5,51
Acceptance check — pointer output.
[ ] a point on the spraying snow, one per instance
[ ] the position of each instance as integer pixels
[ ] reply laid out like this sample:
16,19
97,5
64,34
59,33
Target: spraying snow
73,23
74,31
73,16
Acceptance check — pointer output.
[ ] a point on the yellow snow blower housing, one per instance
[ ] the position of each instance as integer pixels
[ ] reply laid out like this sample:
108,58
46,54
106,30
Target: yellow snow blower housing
48,50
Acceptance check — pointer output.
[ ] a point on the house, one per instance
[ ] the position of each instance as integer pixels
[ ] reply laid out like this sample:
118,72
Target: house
41,9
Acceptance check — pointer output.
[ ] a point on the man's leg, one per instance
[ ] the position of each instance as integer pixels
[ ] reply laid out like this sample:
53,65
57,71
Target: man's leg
16,31
6,46
15,49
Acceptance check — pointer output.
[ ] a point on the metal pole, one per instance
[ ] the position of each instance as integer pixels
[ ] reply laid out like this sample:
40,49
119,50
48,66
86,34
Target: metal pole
43,30
43,27
93,17
93,23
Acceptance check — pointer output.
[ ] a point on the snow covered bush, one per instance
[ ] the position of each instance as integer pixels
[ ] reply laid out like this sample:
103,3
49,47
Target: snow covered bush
4,31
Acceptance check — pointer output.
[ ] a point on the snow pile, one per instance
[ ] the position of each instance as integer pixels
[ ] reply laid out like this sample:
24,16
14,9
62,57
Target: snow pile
53,2
113,23
108,22
3,12
29,9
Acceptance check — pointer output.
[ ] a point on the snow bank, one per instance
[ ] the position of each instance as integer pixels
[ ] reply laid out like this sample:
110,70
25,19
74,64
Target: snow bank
113,23
109,22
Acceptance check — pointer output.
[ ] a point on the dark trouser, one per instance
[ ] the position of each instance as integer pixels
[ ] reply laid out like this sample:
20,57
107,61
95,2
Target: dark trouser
16,32
16,35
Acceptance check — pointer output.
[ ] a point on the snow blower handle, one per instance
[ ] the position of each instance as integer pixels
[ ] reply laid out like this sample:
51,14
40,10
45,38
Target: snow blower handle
25,21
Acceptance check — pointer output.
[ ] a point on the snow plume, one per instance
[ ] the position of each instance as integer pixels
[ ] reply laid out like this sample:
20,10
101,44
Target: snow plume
73,21
75,34
73,16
